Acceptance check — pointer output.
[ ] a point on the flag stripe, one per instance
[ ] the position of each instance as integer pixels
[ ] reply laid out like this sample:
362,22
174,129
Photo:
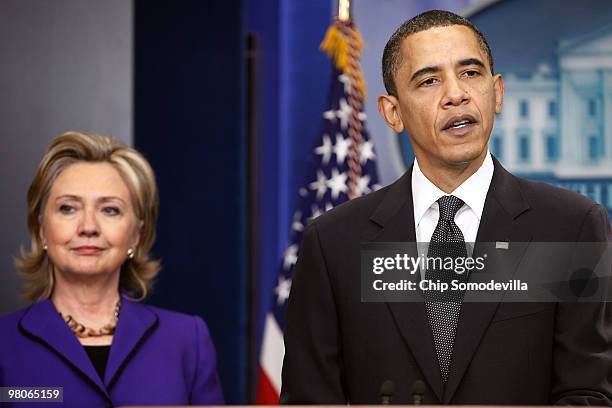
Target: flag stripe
266,394
272,353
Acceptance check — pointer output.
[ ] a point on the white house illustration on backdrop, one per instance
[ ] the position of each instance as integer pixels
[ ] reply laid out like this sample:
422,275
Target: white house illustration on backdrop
556,123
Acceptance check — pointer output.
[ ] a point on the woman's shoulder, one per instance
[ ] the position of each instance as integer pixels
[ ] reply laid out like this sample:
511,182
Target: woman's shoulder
187,338
9,327
11,318
184,331
177,321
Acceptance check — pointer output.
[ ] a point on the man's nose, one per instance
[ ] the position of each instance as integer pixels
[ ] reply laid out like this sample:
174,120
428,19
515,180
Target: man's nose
454,93
89,223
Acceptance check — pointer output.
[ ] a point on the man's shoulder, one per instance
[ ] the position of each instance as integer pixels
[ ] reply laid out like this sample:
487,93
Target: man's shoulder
538,198
553,200
356,211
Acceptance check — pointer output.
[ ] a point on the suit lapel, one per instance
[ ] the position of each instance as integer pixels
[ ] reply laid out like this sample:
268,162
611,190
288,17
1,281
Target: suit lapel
395,215
504,205
136,322
43,322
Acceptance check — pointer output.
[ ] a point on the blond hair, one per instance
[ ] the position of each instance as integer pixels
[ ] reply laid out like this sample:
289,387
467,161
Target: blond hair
138,273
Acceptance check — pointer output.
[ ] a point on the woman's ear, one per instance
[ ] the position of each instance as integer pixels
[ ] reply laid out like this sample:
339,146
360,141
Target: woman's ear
41,231
136,238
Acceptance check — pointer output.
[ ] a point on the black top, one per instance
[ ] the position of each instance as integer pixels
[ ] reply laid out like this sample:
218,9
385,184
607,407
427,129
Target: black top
98,356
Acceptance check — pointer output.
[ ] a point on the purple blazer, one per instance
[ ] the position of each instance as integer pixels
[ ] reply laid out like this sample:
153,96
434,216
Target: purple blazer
158,357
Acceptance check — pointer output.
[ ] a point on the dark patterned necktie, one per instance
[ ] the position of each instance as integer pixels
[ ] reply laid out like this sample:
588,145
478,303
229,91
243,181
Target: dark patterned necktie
443,308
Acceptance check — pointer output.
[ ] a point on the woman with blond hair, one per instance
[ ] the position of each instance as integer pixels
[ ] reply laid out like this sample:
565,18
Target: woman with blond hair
92,209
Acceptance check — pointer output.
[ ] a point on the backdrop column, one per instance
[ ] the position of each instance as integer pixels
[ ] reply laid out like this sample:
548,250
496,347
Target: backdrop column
189,121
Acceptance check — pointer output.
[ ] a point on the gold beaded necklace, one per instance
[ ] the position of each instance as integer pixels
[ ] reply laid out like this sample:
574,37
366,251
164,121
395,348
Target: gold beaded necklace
81,331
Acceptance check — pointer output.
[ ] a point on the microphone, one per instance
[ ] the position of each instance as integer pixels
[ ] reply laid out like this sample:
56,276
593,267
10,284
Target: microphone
386,392
418,392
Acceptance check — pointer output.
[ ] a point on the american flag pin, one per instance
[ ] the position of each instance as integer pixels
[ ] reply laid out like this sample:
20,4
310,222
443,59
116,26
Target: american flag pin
502,245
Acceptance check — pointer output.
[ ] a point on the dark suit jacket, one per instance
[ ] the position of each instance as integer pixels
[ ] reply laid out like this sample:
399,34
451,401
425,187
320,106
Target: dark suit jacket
339,349
157,357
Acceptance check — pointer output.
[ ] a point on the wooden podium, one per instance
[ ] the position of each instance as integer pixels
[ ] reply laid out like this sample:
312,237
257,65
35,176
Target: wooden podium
333,406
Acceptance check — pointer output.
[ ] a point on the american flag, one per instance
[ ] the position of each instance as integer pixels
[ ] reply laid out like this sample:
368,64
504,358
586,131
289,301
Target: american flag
340,167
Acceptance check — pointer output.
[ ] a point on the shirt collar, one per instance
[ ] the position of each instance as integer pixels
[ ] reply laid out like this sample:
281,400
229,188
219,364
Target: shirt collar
424,193
473,191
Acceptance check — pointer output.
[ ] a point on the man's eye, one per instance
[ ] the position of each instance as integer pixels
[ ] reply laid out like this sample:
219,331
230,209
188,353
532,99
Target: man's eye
471,73
429,81
67,209
111,210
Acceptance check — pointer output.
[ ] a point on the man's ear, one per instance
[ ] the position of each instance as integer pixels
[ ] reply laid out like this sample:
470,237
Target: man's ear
498,88
388,106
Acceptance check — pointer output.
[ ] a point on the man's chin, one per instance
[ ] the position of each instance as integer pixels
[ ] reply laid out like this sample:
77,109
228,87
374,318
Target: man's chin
463,159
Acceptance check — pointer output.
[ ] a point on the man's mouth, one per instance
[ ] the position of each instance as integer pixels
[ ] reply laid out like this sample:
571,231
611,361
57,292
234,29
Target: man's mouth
459,122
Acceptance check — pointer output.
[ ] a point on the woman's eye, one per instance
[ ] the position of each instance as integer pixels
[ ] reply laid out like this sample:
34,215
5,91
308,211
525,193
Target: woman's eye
111,210
66,209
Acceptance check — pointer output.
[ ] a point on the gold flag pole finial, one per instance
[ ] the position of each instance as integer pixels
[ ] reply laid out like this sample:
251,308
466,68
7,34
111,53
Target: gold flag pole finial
344,10
343,44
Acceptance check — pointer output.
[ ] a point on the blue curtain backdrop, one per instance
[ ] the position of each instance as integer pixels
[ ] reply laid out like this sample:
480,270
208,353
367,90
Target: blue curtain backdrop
291,81
189,122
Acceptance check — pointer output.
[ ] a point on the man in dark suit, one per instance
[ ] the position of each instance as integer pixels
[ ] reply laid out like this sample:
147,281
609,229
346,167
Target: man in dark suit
442,89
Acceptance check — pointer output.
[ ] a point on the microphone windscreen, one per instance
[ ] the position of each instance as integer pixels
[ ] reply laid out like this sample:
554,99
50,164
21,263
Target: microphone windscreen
418,387
387,388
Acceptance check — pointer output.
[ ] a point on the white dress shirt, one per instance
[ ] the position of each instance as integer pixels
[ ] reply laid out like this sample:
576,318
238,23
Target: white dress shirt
472,192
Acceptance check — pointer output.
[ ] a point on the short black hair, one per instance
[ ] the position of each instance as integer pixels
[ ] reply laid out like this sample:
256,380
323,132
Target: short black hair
392,57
